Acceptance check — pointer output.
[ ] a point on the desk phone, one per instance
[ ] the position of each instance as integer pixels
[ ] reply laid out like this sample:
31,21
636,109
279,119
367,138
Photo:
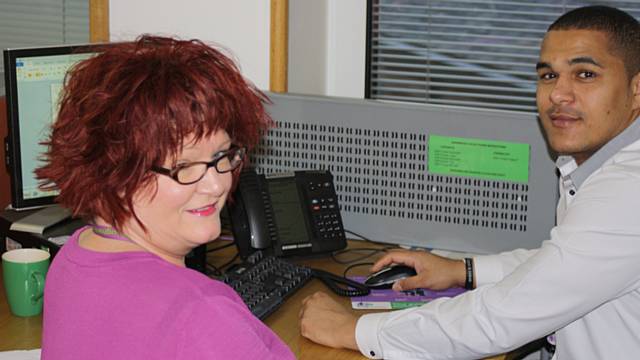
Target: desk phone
294,213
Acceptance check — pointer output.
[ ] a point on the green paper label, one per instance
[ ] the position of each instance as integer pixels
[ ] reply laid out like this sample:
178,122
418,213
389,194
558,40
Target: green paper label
397,305
486,159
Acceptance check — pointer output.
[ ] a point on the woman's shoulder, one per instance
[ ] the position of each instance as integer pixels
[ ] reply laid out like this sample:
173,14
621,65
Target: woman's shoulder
220,326
204,285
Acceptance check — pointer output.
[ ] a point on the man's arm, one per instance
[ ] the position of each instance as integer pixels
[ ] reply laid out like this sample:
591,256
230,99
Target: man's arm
489,269
592,258
437,272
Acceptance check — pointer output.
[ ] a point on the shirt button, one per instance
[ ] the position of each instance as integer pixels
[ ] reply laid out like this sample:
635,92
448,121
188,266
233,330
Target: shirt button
572,192
372,353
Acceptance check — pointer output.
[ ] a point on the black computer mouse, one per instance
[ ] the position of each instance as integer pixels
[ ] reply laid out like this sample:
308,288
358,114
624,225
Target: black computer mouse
384,278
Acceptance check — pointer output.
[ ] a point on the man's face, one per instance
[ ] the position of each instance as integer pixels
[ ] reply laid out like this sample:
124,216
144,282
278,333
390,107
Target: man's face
584,95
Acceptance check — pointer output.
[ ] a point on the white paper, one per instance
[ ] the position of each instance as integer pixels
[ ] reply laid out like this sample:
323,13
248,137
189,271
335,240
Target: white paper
59,240
20,355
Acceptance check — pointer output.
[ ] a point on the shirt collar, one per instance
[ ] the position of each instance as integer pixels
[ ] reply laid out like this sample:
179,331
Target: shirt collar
572,174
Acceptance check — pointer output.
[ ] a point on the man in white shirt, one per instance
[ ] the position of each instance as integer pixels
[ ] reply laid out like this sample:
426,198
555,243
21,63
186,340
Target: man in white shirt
584,282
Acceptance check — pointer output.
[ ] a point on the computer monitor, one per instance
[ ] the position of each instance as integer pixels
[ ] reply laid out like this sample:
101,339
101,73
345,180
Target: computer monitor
33,81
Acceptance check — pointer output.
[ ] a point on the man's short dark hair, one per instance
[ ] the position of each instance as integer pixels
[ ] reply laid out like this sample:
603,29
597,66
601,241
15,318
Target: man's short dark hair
622,29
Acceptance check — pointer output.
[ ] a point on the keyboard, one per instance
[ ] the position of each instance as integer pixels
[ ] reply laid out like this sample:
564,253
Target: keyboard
264,282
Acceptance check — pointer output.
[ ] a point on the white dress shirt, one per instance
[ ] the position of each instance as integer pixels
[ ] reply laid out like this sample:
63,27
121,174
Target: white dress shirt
583,283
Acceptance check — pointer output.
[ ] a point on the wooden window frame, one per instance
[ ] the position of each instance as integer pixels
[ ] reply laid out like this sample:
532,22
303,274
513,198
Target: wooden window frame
99,21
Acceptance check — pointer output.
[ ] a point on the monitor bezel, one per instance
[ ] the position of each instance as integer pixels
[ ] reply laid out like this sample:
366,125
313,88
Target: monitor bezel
13,158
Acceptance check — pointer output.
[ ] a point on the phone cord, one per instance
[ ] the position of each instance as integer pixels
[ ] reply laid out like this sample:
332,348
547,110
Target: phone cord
341,285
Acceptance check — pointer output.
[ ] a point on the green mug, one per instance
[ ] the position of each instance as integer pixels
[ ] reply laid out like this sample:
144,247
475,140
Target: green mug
23,272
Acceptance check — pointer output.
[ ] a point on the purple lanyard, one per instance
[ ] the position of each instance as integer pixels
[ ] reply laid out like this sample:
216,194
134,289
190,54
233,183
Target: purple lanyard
109,233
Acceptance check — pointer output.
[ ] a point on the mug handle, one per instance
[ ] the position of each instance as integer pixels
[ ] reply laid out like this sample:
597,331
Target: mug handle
37,291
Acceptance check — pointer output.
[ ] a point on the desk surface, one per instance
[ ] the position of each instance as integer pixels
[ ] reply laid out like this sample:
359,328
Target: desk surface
25,333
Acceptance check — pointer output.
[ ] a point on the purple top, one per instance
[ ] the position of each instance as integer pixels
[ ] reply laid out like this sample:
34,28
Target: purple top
134,305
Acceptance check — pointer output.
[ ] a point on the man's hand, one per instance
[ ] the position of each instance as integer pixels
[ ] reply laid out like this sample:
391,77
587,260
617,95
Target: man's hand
324,321
433,271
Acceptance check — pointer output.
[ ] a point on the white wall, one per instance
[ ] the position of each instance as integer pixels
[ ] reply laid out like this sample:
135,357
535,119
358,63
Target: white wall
242,27
327,47
326,37
308,46
347,30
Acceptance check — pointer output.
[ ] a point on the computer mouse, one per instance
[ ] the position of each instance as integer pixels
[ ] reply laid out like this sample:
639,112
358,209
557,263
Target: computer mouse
384,278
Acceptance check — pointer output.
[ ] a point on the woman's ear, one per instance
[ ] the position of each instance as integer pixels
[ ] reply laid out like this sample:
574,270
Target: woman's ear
635,90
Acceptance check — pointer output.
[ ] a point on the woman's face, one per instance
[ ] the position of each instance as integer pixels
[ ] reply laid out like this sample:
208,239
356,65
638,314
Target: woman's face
180,217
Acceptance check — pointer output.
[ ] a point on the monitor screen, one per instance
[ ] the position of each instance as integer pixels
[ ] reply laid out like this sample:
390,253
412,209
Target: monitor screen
33,80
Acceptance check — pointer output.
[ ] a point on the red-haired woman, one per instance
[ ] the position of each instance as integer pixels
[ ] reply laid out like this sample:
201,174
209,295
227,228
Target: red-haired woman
146,146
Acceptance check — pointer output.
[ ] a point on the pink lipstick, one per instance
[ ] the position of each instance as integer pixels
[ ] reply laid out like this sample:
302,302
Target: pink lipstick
203,211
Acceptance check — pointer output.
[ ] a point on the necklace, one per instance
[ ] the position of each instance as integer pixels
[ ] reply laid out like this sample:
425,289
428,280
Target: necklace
108,232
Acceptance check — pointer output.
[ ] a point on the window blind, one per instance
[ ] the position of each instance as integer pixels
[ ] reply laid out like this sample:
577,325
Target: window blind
42,22
472,53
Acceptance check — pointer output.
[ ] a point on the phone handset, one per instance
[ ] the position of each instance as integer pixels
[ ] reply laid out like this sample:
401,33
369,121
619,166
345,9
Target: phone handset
251,214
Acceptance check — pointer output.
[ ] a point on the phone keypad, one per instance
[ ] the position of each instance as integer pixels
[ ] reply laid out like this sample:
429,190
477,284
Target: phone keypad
329,226
326,214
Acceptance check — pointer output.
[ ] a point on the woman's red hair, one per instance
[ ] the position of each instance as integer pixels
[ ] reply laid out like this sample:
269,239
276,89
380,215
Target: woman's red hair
131,107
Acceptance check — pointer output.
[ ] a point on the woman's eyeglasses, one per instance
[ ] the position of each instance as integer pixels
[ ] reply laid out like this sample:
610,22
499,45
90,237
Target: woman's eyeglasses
192,172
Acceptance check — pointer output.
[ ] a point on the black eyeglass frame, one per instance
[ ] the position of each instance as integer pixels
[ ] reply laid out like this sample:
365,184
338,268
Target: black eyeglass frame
173,173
